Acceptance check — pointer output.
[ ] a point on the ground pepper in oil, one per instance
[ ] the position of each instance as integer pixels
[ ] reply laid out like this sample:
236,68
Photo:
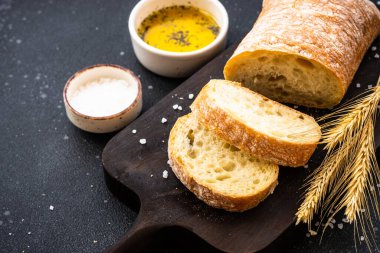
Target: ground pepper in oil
179,29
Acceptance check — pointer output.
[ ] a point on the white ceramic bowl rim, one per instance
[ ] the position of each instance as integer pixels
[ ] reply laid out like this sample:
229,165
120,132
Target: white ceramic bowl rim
218,39
130,107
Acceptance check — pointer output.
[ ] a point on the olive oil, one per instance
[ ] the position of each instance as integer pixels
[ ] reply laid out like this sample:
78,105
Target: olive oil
179,29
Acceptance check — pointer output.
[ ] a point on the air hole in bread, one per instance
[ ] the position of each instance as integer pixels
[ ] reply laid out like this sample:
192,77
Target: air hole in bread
301,117
199,143
279,113
276,78
228,165
190,136
192,154
305,63
234,149
256,181
223,177
226,146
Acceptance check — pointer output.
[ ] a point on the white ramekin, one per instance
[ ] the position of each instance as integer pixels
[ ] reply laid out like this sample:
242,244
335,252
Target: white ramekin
107,123
173,64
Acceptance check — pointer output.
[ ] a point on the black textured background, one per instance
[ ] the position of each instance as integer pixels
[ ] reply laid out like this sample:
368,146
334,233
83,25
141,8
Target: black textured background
45,161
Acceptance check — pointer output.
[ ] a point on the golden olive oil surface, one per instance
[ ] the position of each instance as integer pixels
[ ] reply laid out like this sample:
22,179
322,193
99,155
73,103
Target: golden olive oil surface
179,29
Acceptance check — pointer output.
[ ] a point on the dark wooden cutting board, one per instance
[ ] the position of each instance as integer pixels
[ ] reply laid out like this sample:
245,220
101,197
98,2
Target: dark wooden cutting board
167,203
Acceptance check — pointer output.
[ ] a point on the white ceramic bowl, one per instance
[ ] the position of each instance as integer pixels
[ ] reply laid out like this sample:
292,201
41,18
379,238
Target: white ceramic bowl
107,123
173,64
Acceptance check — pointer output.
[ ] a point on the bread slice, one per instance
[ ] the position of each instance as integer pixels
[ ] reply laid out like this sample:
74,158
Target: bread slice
305,52
218,173
256,124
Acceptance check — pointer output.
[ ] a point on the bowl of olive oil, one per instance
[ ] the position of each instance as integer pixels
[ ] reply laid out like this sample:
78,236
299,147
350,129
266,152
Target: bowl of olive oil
174,38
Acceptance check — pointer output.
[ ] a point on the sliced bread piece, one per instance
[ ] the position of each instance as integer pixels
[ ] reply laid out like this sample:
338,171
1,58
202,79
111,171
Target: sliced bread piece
256,124
216,172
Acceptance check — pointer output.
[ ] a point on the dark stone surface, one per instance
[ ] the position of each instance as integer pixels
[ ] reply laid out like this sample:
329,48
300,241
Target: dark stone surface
46,161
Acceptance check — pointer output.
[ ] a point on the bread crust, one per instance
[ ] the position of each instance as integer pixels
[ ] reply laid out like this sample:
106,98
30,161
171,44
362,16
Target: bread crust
237,133
333,33
210,196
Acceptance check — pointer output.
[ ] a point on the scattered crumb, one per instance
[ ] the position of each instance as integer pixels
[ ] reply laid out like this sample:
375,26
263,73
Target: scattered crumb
191,96
333,221
312,232
296,106
345,220
150,87
9,233
51,208
163,141
377,56
306,166
92,186
165,174
358,85
370,86
340,225
361,238
134,131
18,41
142,141
180,108
65,137
95,241
105,201
168,162
175,107
7,213
151,175
330,225
122,53
307,234
181,98
373,48
163,120
29,233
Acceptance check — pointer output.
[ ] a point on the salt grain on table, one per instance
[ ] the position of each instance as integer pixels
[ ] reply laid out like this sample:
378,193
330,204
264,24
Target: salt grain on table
51,208
358,85
142,141
175,107
191,96
165,174
7,213
134,131
377,56
163,120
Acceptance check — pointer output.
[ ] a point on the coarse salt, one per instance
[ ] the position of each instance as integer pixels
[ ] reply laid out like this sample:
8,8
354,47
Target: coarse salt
165,174
175,107
191,96
134,131
340,225
180,108
377,56
373,48
51,208
142,141
358,85
104,97
163,120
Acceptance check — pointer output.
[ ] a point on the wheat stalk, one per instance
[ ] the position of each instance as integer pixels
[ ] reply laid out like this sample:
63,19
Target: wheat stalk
349,166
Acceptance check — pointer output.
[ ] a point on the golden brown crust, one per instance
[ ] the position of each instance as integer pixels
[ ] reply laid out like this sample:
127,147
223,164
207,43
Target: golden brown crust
333,33
206,194
248,139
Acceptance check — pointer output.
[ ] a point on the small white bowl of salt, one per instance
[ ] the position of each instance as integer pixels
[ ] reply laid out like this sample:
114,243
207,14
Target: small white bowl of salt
103,98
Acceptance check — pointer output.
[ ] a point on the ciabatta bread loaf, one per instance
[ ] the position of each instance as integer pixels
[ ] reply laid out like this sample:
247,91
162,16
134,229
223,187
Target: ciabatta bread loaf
256,124
305,52
216,172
